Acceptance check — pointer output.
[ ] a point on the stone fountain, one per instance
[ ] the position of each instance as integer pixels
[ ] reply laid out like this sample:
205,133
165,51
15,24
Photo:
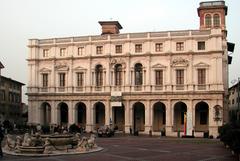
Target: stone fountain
48,145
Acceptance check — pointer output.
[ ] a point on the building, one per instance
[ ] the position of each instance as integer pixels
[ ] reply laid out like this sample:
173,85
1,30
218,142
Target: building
146,81
10,100
234,100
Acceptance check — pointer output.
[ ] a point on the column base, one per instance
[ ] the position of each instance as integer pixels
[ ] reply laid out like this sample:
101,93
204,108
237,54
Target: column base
168,130
89,127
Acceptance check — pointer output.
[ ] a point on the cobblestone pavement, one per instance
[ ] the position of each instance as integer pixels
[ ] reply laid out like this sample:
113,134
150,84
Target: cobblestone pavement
130,148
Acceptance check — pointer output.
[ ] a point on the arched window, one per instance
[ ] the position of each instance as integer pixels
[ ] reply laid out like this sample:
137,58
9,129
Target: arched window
216,20
99,75
138,74
118,74
208,20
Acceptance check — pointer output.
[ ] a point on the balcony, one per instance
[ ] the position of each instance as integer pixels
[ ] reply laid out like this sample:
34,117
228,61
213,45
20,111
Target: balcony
61,89
79,89
158,87
201,87
98,88
138,88
179,87
44,89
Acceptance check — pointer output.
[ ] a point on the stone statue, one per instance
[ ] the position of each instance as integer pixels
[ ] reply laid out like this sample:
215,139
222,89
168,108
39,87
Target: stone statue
27,141
48,148
18,144
82,145
92,142
10,143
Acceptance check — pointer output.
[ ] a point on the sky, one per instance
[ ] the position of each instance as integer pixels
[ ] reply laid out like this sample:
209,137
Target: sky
21,20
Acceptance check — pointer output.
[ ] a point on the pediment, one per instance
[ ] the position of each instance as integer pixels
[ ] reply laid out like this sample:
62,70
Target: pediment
158,66
201,64
47,70
79,68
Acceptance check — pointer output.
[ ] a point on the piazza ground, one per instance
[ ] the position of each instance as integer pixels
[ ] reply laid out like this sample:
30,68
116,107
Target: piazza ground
142,148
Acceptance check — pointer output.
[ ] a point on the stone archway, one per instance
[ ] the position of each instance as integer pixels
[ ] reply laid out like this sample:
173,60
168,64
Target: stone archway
81,114
201,117
180,109
119,117
159,116
138,116
63,113
45,113
99,114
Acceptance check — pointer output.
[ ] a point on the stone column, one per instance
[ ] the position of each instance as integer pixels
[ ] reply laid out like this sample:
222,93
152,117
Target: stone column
147,117
71,113
189,118
127,117
107,113
54,113
89,119
169,122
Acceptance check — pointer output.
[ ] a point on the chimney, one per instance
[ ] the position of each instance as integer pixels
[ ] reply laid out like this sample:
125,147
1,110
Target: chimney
110,27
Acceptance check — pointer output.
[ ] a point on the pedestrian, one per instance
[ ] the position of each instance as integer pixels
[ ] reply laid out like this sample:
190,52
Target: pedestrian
1,139
130,129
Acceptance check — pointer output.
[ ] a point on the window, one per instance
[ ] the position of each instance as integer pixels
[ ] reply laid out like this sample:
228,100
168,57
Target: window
80,79
232,101
80,50
138,74
45,80
45,52
179,46
179,76
99,75
208,20
62,51
118,74
201,45
99,49
159,47
62,79
201,76
118,48
216,20
138,48
159,77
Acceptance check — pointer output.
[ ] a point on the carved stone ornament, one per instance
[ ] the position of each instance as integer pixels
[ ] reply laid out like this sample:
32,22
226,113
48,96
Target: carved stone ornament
115,61
61,66
179,62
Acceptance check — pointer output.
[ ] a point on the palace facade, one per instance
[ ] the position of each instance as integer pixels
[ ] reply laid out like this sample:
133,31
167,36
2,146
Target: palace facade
146,81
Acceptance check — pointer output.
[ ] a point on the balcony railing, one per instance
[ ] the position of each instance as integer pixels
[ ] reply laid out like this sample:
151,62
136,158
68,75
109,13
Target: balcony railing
201,87
138,88
98,88
79,89
179,87
129,88
44,89
159,87
61,89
